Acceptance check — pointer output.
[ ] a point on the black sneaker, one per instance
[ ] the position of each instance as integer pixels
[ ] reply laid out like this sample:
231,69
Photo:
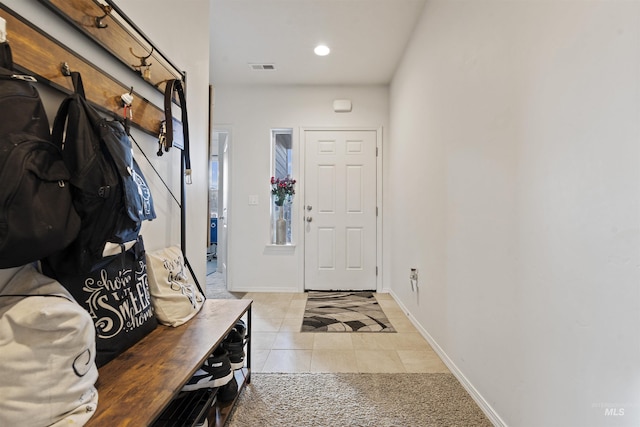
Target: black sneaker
215,372
241,327
228,392
234,344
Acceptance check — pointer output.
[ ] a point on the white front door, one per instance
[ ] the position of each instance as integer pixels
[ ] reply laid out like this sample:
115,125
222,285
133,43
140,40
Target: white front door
340,210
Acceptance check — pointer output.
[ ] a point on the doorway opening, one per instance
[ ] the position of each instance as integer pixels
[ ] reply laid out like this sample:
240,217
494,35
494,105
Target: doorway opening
212,247
217,264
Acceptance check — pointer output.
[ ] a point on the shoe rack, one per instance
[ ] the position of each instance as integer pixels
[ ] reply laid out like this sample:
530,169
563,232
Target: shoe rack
136,387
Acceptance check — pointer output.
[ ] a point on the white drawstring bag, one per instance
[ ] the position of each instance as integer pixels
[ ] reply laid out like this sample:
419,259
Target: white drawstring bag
47,354
174,295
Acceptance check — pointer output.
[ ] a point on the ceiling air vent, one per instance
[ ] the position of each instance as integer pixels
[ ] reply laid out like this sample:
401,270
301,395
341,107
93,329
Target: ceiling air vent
259,67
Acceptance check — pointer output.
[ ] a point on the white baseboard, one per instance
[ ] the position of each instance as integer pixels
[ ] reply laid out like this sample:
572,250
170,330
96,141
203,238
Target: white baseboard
488,410
267,289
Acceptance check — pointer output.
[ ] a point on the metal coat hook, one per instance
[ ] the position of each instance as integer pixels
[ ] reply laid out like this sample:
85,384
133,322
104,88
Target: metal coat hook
157,85
162,138
126,101
65,70
98,19
75,78
127,98
143,67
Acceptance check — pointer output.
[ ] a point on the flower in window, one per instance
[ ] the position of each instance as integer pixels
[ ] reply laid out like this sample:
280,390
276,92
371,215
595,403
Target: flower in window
282,189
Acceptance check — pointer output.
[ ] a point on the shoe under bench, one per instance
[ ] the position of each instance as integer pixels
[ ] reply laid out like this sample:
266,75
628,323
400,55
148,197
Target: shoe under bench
135,387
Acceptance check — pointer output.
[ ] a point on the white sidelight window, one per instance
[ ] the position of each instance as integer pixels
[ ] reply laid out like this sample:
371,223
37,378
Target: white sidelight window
281,170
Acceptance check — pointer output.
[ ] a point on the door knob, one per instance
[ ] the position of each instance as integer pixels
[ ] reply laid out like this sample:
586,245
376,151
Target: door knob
309,207
309,219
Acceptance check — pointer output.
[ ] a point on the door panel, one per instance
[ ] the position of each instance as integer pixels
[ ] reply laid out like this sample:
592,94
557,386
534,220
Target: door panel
326,189
326,248
355,192
355,240
340,208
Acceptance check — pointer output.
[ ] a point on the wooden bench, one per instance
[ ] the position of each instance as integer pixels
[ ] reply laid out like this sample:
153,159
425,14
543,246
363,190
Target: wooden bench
135,387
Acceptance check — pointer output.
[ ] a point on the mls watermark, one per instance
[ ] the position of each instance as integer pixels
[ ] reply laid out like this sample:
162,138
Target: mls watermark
614,412
609,409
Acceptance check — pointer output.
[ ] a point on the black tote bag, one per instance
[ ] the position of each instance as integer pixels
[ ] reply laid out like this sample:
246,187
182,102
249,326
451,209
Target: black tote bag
116,295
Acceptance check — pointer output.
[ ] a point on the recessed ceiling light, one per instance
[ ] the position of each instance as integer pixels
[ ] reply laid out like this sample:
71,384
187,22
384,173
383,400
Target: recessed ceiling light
322,50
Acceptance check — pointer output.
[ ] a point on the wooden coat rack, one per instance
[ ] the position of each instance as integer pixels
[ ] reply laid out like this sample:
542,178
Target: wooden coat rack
37,53
104,23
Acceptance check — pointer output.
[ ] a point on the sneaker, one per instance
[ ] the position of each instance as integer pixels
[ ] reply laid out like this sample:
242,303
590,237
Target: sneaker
228,392
215,372
234,344
220,363
241,327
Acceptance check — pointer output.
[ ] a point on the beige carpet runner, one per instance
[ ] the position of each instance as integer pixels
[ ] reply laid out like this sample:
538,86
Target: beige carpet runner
349,400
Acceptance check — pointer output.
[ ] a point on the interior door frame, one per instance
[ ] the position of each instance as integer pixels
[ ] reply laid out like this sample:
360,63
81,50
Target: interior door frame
300,191
223,167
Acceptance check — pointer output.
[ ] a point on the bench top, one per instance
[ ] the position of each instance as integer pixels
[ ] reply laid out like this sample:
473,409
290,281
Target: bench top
135,387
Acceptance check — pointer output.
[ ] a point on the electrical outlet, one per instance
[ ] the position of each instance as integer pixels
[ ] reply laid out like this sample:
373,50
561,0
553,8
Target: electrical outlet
413,278
253,200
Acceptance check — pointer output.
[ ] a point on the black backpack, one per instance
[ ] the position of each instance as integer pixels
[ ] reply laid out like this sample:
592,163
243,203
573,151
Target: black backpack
109,190
37,217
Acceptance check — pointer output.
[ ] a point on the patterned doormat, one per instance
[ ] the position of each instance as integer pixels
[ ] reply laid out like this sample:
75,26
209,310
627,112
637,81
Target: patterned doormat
344,312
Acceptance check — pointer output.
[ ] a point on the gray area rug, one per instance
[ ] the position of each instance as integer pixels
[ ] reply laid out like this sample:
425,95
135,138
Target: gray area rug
344,312
381,400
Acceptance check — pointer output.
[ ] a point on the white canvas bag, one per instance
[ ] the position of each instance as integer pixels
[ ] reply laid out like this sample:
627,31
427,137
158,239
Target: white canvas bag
174,295
47,351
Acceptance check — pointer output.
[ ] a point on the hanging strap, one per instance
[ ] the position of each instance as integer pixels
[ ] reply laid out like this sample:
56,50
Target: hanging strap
6,66
76,78
6,59
62,116
176,86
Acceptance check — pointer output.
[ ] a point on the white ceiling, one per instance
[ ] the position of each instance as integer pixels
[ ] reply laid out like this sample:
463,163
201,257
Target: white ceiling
366,37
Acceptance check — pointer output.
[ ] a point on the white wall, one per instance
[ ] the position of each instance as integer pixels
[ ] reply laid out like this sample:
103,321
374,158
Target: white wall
181,32
188,50
515,134
251,112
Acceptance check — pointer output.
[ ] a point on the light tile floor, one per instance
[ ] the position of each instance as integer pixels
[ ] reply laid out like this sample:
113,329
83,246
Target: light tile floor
279,346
